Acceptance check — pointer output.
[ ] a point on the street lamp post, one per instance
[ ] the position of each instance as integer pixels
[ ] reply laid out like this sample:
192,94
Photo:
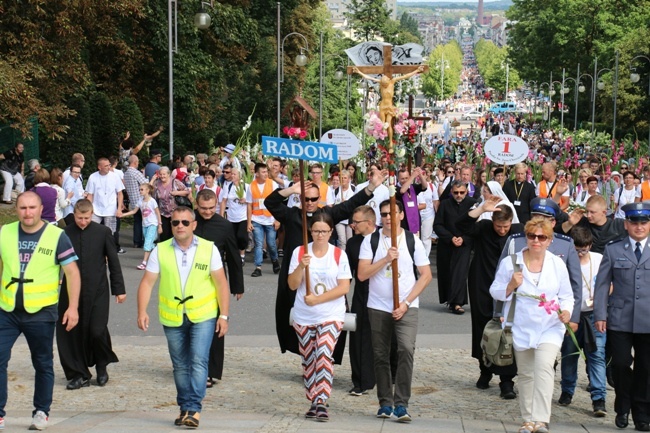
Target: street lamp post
507,66
301,60
635,78
442,64
532,91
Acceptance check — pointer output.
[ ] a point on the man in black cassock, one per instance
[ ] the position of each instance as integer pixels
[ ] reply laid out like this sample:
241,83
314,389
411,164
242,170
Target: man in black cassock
90,343
489,238
291,219
454,249
213,227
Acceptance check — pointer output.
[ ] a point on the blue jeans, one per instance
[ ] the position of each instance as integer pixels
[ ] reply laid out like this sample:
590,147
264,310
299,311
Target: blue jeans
189,349
595,363
259,231
40,338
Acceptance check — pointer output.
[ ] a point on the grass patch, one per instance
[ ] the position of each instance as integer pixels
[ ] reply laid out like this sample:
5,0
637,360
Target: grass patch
7,214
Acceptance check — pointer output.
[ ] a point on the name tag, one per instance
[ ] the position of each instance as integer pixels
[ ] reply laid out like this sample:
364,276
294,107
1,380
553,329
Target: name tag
410,204
516,203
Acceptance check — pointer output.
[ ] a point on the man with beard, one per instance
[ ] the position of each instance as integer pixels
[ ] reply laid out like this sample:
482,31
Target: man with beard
215,228
90,343
452,258
489,238
291,218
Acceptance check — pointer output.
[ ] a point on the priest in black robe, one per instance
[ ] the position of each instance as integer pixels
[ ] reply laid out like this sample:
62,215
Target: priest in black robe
454,249
89,343
291,219
489,238
213,227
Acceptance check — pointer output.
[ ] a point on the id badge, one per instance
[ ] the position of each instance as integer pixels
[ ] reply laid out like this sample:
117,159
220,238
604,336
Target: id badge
388,272
589,302
410,204
516,203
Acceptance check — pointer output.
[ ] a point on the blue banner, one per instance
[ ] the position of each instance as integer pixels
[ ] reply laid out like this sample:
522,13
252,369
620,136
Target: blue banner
306,150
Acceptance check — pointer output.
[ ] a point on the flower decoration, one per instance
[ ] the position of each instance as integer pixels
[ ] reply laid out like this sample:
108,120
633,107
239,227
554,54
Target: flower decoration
293,132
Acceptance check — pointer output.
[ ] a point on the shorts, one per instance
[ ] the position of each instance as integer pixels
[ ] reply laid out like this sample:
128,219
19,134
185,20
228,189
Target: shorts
150,234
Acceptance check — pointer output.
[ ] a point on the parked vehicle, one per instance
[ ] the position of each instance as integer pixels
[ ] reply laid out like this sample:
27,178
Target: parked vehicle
472,115
502,107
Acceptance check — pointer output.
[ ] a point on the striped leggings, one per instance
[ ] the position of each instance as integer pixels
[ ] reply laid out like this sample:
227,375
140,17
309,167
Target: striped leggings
316,344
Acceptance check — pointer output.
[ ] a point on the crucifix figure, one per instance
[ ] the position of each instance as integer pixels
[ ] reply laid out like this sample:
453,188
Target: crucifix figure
387,85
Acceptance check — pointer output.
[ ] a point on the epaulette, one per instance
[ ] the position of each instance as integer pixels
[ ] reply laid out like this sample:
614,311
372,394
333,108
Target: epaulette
518,235
615,241
563,237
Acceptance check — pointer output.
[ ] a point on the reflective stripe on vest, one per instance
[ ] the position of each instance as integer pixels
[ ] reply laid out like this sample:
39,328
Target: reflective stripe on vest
259,196
645,190
543,193
42,270
200,299
324,189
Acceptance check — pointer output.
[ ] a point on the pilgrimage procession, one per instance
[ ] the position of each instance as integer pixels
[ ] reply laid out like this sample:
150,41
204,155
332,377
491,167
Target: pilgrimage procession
353,216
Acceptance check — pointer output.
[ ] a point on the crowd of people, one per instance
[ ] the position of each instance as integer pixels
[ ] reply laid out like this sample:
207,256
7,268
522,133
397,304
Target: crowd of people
499,237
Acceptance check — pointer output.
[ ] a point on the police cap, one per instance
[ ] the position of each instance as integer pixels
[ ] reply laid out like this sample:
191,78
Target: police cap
638,212
544,206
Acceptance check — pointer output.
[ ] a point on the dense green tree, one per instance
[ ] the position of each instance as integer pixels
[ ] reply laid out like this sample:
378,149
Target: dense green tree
495,67
104,134
367,18
449,58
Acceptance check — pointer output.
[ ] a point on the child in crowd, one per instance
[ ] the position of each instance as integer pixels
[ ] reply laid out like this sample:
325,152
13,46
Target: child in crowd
151,221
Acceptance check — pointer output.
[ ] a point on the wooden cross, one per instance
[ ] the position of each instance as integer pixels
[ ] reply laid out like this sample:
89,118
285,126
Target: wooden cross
387,115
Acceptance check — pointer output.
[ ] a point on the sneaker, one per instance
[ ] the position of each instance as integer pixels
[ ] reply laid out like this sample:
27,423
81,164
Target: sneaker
121,251
257,273
402,414
280,252
385,412
565,399
599,408
2,423
39,421
276,267
142,266
265,255
357,392
243,261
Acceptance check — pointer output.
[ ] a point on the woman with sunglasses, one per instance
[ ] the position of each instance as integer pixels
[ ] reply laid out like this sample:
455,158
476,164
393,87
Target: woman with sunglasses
537,334
318,316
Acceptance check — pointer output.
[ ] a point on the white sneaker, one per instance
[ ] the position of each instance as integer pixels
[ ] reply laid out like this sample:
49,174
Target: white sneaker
39,421
2,423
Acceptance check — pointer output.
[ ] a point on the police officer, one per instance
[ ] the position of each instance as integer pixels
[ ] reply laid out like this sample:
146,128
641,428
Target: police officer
625,315
562,246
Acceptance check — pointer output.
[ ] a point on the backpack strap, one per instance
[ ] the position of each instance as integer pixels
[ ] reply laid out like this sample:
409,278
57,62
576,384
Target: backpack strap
410,244
337,254
301,252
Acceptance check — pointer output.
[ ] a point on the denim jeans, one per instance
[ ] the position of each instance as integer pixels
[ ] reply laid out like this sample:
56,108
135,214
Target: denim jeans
189,350
259,231
596,363
40,339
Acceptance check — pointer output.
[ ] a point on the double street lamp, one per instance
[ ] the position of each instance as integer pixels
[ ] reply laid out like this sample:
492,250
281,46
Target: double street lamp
300,60
635,78
596,84
442,64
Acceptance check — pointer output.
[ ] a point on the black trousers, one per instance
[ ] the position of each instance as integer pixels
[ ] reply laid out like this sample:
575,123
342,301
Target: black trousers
632,386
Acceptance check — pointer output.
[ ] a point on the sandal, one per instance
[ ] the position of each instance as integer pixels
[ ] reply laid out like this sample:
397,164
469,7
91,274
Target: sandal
457,309
540,427
192,419
321,413
527,427
142,266
210,383
311,413
181,417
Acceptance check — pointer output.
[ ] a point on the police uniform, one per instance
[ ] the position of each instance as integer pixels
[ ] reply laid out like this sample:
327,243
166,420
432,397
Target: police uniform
562,246
626,312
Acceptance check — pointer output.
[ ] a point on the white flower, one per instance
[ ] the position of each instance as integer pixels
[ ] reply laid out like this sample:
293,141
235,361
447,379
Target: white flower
391,191
386,125
401,152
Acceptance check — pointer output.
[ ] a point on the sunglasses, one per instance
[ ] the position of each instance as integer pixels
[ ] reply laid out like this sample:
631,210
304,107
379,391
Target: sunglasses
459,192
533,236
186,223
311,199
384,214
226,172
450,172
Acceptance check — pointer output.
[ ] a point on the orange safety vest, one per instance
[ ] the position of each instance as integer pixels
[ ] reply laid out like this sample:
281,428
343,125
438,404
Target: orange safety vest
323,188
543,193
645,190
259,196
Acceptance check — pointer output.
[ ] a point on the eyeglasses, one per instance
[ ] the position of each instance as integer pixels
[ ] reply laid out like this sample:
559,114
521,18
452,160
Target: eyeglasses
316,172
311,199
623,168
320,232
459,192
533,236
357,222
226,172
384,214
450,172
582,251
186,223
75,172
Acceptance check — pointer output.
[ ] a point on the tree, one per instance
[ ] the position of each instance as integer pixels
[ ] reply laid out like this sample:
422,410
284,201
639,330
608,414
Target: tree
103,130
452,55
367,18
491,62
127,118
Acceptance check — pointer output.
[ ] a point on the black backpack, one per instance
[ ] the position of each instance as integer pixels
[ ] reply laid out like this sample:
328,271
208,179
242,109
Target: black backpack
410,244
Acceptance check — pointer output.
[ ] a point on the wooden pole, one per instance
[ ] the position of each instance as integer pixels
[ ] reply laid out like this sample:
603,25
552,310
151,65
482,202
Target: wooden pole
393,241
305,237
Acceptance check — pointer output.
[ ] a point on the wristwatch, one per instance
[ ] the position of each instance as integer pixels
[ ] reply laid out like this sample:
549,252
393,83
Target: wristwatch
408,304
224,317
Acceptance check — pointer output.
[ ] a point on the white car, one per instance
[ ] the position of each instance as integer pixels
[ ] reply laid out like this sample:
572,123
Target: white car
472,115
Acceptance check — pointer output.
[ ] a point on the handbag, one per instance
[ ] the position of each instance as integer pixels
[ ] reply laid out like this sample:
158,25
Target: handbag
349,323
496,341
181,200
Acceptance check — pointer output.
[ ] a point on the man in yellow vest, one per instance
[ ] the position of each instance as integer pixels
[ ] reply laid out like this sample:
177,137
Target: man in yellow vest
260,220
192,286
29,297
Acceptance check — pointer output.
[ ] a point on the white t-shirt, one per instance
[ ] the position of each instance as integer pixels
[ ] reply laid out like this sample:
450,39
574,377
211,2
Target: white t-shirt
104,190
380,194
343,196
324,274
153,265
628,196
235,211
260,219
428,196
380,296
589,271
148,209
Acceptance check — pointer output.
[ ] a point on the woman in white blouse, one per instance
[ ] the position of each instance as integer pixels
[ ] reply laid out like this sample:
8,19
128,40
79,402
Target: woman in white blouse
537,335
318,316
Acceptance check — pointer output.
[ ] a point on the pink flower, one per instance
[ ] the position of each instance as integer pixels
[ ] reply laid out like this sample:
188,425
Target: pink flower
550,306
302,134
